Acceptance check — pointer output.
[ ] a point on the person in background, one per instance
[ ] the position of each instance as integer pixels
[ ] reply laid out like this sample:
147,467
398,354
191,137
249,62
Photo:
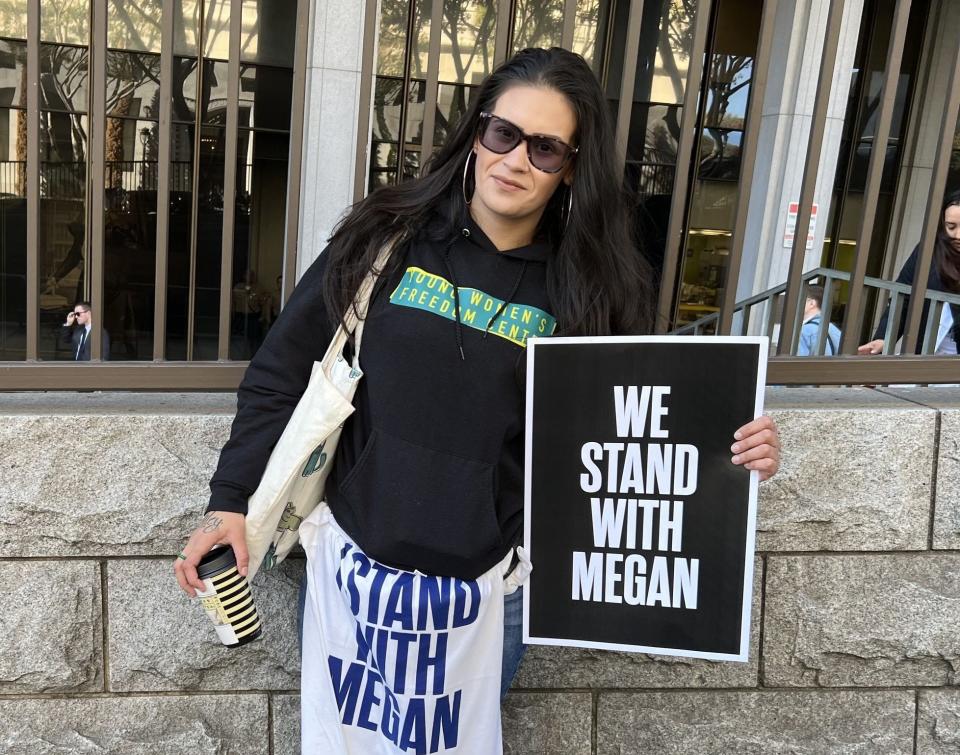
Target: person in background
944,276
75,333
810,331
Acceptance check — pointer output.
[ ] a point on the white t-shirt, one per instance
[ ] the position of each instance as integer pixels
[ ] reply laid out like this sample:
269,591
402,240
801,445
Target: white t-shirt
946,345
396,662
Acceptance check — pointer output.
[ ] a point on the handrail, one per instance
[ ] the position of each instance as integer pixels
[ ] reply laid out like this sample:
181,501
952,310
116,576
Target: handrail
898,294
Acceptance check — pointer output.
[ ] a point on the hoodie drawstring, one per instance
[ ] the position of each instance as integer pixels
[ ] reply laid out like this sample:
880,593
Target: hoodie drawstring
458,327
505,302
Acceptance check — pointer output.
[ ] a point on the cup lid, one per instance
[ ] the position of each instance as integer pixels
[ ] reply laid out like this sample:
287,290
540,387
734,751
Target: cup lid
217,560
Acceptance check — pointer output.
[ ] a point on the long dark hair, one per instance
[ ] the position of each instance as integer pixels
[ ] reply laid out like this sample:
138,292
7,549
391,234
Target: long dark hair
945,256
598,282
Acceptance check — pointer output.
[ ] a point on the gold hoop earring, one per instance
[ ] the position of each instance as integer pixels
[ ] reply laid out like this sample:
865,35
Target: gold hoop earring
466,169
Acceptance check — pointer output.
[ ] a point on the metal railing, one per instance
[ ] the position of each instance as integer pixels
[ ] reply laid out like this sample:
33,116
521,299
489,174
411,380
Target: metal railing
763,313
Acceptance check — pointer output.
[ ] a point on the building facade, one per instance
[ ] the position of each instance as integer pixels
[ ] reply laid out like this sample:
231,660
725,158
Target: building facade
179,163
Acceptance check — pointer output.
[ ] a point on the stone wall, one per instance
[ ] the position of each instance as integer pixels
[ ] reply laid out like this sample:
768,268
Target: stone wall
856,627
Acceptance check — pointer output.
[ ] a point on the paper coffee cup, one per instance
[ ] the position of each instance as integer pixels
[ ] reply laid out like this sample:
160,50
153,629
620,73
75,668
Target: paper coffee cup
227,598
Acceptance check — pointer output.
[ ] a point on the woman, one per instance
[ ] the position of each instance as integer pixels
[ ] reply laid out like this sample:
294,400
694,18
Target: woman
522,213
944,276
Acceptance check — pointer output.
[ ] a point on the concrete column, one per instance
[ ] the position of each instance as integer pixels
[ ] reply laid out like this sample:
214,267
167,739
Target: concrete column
332,103
923,131
784,131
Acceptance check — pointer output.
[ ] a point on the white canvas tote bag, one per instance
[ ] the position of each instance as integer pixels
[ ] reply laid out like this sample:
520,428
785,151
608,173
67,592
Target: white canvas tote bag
293,481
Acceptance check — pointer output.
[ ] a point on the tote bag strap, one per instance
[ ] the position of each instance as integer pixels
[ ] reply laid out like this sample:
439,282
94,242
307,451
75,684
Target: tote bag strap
354,323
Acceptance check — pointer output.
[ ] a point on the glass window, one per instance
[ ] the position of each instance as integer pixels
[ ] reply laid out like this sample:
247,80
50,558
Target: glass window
654,133
13,18
387,105
130,234
259,231
134,25
392,43
666,39
452,102
216,29
265,97
719,154
210,168
186,27
469,28
13,234
215,87
65,21
728,91
269,32
63,78
13,63
537,23
133,84
184,89
590,31
62,251
180,230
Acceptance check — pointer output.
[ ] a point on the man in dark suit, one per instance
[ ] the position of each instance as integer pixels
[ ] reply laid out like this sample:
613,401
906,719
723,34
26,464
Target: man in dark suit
75,333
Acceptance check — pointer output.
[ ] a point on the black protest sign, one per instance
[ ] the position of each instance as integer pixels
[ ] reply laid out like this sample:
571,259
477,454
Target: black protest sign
639,527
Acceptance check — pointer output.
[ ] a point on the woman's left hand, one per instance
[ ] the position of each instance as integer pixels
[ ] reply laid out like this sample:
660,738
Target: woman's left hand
757,447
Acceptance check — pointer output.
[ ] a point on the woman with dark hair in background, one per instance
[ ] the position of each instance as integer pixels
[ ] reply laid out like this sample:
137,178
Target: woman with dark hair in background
944,276
517,227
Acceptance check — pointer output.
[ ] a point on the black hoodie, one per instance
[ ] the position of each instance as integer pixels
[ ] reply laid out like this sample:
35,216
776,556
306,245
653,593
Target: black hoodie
429,470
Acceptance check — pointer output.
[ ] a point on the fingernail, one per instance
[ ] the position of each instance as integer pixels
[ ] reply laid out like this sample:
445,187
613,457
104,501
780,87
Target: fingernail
735,447
738,435
735,460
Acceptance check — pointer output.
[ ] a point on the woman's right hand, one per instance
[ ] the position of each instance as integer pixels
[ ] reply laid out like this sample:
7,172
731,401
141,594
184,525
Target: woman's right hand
216,528
874,347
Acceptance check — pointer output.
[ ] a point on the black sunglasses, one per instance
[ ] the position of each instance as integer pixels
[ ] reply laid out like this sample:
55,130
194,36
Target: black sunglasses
546,153
79,312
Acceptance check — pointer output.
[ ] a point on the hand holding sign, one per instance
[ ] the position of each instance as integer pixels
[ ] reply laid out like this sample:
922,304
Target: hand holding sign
758,447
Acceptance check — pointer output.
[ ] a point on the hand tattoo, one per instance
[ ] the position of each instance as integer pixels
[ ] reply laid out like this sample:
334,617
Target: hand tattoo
211,522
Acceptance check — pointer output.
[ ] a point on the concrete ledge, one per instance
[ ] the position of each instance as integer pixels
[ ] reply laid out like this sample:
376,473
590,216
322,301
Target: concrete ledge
856,472
540,723
755,723
938,722
50,622
235,724
161,640
868,620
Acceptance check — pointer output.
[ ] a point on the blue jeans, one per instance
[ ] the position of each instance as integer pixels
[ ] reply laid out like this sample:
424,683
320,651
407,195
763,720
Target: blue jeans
513,647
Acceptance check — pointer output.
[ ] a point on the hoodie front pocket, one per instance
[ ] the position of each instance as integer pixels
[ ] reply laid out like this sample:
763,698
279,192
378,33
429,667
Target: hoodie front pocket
416,504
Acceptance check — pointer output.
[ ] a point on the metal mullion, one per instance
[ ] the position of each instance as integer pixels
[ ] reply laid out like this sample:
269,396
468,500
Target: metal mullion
195,183
501,38
367,73
230,179
569,24
124,376
948,127
433,77
97,115
295,161
164,128
631,52
409,51
933,326
825,306
749,147
683,167
33,179
853,317
788,324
